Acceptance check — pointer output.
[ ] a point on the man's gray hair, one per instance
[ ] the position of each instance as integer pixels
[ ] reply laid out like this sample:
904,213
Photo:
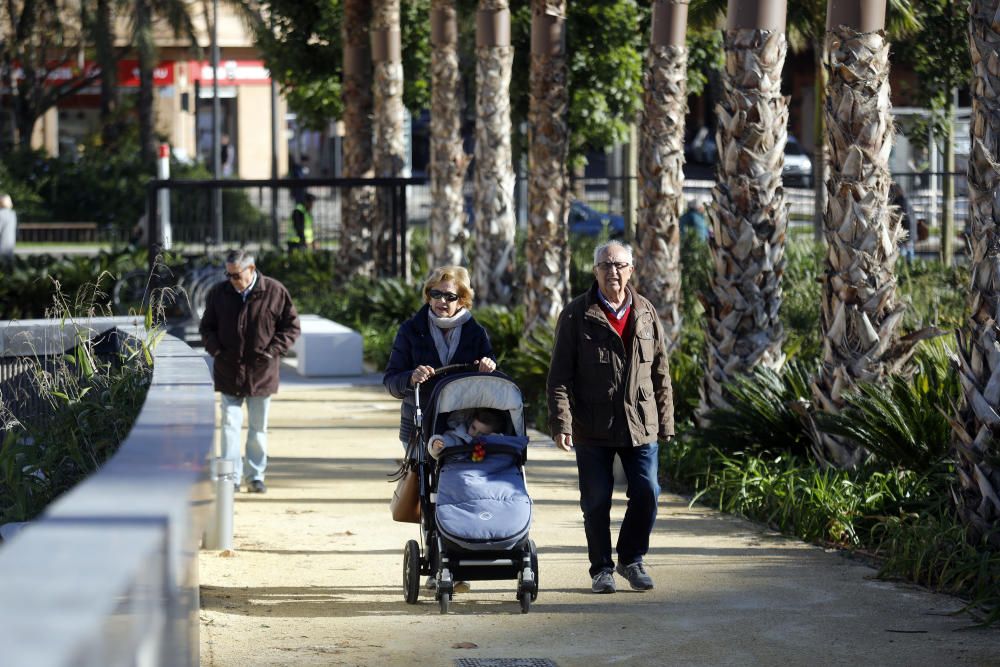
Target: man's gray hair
613,243
6,202
241,258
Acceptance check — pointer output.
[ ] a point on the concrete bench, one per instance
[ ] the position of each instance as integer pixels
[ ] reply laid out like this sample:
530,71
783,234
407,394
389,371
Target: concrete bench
325,348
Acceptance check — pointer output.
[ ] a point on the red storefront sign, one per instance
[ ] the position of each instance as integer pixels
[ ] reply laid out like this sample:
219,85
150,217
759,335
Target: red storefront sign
128,73
231,72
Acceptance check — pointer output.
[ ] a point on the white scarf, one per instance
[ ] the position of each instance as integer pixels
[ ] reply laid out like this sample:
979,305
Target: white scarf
446,332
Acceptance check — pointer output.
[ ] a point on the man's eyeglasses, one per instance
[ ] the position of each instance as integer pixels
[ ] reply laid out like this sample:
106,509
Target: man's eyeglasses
450,297
230,276
607,266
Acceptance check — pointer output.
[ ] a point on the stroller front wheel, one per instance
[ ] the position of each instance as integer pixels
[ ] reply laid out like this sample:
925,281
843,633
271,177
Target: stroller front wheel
411,572
445,602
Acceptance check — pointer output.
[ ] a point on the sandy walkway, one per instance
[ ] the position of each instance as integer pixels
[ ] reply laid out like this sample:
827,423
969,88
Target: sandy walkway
317,576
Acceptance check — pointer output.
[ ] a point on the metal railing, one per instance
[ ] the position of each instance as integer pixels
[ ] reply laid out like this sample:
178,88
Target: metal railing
215,214
108,576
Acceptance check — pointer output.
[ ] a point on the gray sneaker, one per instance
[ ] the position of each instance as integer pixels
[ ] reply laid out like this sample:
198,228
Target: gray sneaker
636,575
604,582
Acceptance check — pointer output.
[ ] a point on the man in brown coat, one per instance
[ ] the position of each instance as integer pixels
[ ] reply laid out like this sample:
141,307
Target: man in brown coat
609,395
249,322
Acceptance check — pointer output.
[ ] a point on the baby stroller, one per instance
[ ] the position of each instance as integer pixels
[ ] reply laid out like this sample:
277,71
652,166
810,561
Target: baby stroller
475,511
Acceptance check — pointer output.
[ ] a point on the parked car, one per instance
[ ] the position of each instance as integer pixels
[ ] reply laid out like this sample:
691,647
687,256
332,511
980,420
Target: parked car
798,167
588,221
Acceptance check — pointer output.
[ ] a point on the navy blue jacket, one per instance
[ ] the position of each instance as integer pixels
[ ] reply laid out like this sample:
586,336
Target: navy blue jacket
414,347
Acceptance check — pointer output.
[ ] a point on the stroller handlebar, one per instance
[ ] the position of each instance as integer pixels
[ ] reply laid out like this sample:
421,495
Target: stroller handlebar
471,367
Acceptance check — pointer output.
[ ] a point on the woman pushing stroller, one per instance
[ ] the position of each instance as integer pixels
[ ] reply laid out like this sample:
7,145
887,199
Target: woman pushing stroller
442,332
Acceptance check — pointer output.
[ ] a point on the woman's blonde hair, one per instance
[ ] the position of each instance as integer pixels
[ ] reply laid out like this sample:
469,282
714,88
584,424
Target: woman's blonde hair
457,275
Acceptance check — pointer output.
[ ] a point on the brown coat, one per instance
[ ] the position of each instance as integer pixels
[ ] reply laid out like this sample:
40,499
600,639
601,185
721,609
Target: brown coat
247,339
601,392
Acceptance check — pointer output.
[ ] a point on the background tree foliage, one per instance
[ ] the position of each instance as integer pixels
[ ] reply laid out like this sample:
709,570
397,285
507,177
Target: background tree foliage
301,44
939,56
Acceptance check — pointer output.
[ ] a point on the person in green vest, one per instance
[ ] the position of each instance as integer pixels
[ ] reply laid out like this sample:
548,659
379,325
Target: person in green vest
300,233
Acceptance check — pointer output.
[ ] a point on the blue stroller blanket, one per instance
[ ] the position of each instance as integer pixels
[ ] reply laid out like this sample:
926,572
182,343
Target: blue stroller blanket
482,500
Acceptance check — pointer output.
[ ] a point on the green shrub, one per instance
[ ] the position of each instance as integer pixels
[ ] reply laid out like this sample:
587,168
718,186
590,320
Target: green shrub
92,404
764,414
904,421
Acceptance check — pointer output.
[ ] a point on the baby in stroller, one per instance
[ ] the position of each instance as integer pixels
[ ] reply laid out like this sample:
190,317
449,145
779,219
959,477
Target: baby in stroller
484,421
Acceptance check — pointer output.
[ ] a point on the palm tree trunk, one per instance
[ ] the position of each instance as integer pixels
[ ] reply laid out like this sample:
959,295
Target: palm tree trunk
354,256
661,167
978,428
493,267
389,140
748,214
859,312
146,49
819,151
449,161
104,43
546,282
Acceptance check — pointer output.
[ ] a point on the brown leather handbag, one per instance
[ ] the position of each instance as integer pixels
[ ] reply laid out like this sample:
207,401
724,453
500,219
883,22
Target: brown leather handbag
405,503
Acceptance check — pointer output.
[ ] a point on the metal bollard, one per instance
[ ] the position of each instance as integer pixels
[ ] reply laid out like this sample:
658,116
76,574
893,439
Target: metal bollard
220,534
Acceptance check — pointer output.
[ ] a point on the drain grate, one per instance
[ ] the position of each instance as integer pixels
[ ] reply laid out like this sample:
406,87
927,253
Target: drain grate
504,662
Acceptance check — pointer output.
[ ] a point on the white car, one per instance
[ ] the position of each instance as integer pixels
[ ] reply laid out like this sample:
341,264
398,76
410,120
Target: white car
798,167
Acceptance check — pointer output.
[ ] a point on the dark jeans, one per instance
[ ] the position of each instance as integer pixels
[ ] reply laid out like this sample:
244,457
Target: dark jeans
595,466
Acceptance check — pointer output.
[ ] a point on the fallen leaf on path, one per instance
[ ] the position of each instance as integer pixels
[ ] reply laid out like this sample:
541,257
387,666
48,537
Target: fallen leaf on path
227,553
465,645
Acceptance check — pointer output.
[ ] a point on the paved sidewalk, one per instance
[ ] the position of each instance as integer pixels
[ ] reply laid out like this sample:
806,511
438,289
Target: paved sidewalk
316,578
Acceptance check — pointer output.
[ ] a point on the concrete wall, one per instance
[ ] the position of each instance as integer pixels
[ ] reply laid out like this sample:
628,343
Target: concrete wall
109,575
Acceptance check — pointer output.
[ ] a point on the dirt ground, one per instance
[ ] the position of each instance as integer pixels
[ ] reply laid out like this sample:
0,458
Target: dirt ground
316,575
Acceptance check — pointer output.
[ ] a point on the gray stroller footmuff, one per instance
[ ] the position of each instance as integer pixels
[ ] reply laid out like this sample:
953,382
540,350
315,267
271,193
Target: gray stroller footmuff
483,504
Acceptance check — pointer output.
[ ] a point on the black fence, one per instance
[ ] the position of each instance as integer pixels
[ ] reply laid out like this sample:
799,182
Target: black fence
206,216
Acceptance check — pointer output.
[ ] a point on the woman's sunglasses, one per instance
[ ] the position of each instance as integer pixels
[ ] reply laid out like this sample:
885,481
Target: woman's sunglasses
450,297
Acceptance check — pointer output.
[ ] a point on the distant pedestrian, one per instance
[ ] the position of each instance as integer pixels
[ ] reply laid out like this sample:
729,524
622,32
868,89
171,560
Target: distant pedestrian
609,395
693,220
249,322
227,156
300,230
8,228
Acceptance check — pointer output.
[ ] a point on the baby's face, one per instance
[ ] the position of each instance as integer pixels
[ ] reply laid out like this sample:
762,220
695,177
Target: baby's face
477,427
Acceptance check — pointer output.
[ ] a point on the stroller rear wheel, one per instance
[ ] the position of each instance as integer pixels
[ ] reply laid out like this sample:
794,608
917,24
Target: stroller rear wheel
534,568
411,572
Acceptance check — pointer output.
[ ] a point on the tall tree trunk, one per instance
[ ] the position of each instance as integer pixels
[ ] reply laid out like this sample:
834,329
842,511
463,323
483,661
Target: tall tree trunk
859,312
146,50
449,161
493,268
978,428
661,166
354,256
749,214
546,285
104,44
389,141
819,151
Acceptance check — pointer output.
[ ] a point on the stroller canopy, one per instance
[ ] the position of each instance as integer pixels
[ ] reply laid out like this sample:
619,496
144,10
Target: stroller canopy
478,390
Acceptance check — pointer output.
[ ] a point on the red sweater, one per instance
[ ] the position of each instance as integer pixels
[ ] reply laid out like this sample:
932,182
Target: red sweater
618,325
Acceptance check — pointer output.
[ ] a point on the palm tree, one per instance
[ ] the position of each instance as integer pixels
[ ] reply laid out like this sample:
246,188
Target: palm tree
354,256
661,162
547,248
748,213
389,120
448,159
977,428
176,13
493,267
859,312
